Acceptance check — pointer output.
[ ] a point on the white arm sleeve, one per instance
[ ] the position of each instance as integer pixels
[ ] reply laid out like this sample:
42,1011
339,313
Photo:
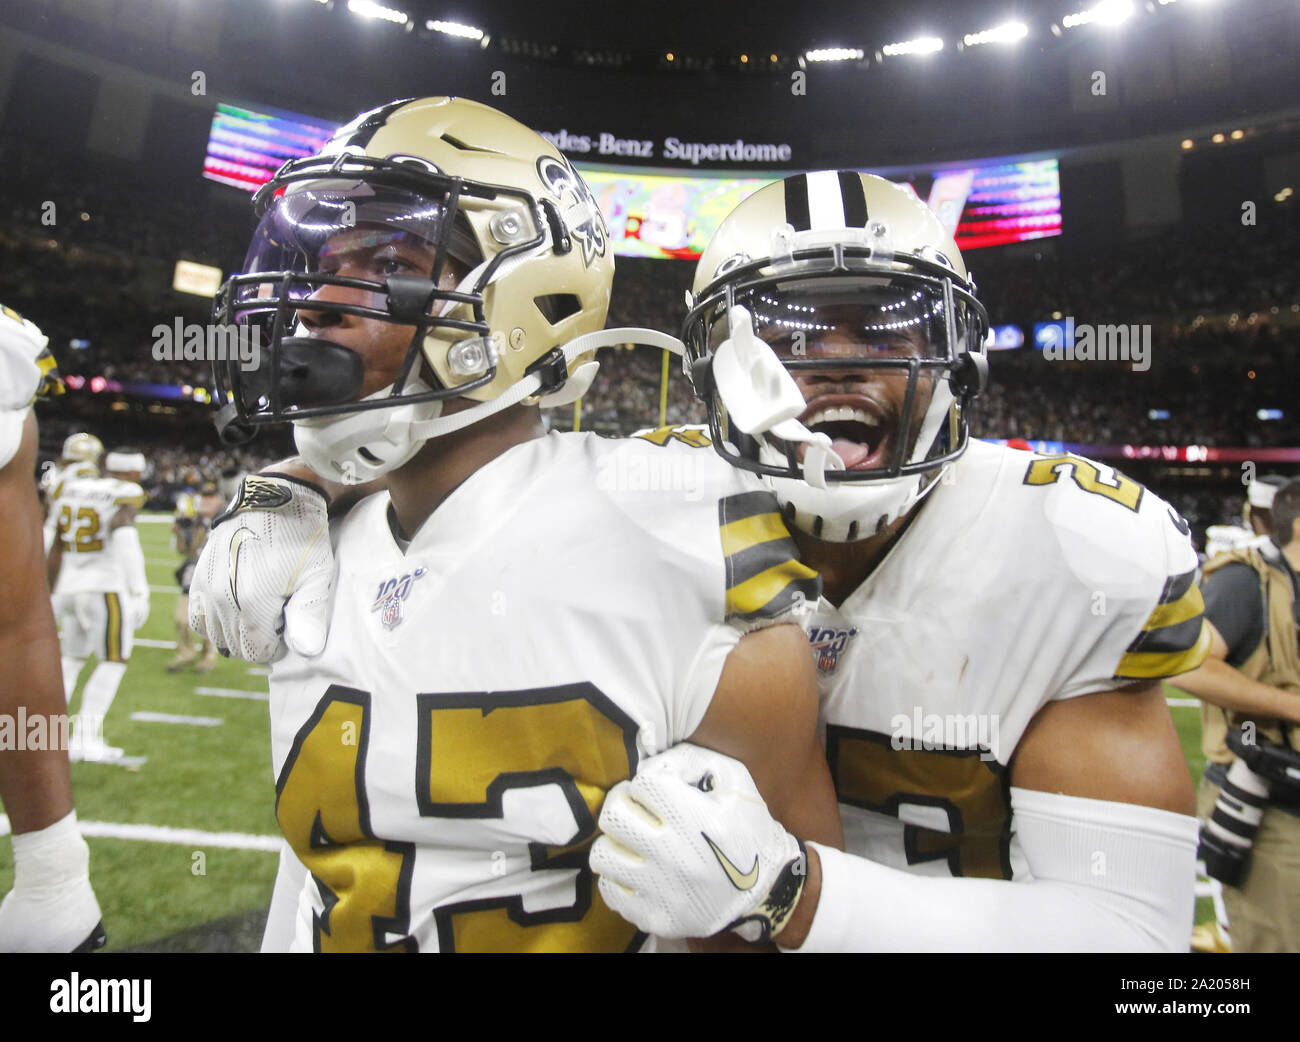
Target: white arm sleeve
125,542
1104,877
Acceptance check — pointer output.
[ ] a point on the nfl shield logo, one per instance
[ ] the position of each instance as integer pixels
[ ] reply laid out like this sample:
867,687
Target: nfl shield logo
828,644
388,601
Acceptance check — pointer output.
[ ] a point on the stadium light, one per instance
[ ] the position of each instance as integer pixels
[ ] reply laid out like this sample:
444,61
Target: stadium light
370,9
921,45
467,32
1009,32
835,54
1108,12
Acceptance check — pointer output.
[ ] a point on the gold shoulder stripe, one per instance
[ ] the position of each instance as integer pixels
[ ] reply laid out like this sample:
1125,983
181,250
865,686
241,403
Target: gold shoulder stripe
663,435
765,577
750,531
51,383
773,592
1150,665
129,501
1179,603
1175,638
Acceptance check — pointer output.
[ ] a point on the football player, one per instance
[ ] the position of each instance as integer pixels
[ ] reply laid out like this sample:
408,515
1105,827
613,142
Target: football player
79,457
101,595
514,625
994,630
51,907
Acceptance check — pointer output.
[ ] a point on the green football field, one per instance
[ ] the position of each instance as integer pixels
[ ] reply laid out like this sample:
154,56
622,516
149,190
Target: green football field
203,887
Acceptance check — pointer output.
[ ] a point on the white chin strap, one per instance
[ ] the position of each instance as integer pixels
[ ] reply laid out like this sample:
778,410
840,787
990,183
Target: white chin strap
762,398
364,446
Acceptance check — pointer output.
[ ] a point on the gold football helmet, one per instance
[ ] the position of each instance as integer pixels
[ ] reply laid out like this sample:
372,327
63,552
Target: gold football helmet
83,448
470,190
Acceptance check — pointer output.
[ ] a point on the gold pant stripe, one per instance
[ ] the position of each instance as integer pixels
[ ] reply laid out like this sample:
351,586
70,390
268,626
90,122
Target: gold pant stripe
1147,665
113,631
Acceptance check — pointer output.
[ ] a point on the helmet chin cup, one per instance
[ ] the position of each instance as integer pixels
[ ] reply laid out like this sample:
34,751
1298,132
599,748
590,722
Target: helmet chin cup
847,513
364,446
756,388
309,372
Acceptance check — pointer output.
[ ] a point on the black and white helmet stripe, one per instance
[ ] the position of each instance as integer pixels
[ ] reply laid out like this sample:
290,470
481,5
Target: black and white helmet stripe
825,199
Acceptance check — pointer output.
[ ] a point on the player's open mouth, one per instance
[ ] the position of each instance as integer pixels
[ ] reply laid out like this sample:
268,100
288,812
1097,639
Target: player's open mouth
858,431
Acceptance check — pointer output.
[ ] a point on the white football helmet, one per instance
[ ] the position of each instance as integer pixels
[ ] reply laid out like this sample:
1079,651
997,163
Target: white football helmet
850,283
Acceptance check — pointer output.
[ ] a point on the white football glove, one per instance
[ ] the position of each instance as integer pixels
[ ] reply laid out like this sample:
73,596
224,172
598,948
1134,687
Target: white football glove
266,569
689,849
52,907
137,606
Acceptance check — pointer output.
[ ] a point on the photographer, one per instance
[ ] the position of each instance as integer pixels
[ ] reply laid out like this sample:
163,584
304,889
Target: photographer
1250,690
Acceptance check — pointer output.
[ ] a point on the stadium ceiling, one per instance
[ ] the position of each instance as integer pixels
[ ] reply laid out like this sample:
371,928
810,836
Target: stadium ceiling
678,35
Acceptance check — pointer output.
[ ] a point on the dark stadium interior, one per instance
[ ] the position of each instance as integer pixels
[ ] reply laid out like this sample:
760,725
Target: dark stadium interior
1173,142
110,129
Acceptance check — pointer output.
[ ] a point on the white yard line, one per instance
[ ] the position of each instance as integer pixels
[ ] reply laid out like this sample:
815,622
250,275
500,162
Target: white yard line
145,642
166,834
1183,703
230,692
177,718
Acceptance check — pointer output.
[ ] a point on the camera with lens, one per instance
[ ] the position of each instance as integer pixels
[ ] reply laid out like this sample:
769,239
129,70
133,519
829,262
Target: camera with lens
1265,773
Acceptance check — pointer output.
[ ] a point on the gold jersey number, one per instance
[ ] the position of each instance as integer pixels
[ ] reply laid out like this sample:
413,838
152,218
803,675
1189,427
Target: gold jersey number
471,749
958,787
1047,471
85,539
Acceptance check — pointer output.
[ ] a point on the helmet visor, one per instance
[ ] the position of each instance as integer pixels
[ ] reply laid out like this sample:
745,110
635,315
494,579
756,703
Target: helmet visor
850,320
327,253
872,356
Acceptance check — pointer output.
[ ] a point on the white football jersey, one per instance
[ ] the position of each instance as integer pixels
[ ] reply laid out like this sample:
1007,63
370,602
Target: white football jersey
562,614
83,514
1021,580
25,363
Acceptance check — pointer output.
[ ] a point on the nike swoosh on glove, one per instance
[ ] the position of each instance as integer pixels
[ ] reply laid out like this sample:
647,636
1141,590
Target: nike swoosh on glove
690,849
266,570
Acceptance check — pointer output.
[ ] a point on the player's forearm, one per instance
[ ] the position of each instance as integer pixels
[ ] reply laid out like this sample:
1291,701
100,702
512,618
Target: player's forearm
1223,685
341,497
53,563
34,784
1103,877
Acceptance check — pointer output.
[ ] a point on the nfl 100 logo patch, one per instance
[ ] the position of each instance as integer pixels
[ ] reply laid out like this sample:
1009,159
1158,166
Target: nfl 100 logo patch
829,643
392,592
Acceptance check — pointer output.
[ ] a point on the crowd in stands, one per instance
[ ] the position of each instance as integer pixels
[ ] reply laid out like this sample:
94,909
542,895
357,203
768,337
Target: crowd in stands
1225,340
